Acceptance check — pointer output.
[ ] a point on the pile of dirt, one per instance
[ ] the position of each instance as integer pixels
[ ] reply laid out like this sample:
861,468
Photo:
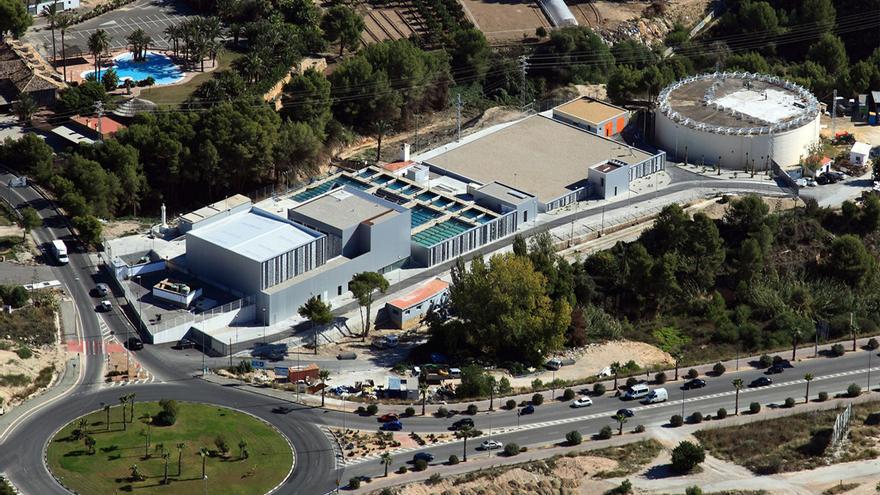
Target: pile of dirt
562,476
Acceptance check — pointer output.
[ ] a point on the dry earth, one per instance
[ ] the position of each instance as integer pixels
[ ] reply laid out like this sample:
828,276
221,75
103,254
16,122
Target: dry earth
122,228
11,364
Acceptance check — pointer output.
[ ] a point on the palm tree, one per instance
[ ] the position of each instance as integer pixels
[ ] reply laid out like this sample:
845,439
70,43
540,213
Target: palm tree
323,375
386,461
51,13
251,67
63,22
808,377
107,411
81,428
164,458
180,447
203,452
492,386
147,420
172,32
122,401
90,444
738,385
25,107
615,369
795,337
465,432
135,473
677,358
98,43
131,397
242,445
621,420
423,391
137,44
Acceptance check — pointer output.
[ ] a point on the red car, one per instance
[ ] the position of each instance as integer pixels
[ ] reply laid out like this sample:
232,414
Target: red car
388,418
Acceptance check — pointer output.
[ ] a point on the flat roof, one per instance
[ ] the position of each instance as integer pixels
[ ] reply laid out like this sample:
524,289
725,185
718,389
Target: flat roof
505,193
253,236
423,293
606,167
861,148
71,135
590,110
209,211
342,209
542,156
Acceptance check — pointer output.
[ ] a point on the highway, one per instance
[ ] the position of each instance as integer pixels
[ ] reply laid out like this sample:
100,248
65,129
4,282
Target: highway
315,456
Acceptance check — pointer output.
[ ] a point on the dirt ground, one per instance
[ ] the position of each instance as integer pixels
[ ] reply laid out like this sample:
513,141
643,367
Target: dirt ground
122,228
716,210
615,21
863,132
590,360
365,443
11,364
506,21
569,475
384,24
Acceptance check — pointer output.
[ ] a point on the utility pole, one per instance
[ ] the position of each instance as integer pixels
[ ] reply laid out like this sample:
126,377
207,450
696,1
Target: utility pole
523,66
458,115
99,109
417,133
833,112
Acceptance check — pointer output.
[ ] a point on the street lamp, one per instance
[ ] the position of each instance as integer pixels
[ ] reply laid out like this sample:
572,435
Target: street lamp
682,403
265,324
870,352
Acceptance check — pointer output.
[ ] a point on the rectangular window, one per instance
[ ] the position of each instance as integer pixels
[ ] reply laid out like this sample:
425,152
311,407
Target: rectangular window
339,290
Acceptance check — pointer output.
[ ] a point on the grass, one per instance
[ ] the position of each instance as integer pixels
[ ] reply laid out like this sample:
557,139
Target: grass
176,94
795,442
630,458
840,488
107,471
14,380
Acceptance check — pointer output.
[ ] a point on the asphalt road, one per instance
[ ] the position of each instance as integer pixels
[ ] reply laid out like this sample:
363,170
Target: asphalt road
315,456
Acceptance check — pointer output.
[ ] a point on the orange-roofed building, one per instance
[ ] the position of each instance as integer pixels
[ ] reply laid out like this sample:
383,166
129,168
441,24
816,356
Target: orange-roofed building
412,306
89,126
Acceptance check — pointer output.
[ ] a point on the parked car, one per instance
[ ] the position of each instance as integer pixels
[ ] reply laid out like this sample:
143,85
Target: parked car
105,306
695,383
823,179
282,410
388,418
582,402
134,344
490,445
185,344
392,426
657,395
627,413
529,409
102,290
346,356
775,369
761,382
424,456
554,364
637,391
463,422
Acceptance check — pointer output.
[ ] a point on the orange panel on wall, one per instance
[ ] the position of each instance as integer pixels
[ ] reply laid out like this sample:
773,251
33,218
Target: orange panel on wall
609,128
621,123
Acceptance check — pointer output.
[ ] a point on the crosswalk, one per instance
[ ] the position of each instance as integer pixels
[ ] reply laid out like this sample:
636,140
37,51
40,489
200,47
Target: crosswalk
111,345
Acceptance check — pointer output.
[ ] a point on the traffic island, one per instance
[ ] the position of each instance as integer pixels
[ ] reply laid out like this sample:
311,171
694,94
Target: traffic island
169,448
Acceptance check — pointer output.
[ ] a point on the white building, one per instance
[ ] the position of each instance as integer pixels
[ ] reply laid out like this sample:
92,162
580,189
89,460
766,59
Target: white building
37,9
859,154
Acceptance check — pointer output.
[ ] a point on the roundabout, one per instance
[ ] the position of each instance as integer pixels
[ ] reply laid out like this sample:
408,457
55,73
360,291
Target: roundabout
168,447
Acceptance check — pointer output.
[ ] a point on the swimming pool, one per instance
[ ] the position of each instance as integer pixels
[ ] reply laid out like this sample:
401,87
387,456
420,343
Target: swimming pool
158,66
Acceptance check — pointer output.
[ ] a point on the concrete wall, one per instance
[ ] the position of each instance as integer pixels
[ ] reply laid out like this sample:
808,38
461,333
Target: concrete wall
705,147
221,266
611,184
526,211
184,226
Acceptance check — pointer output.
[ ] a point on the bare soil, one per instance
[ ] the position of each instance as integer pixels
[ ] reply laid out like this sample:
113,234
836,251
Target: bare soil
506,21
716,210
122,228
616,21
863,132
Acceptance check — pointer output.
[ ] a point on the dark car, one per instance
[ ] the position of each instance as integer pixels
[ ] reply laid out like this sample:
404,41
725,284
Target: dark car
425,456
627,413
392,426
761,382
461,423
282,410
775,369
695,383
185,344
529,409
823,180
388,418
134,344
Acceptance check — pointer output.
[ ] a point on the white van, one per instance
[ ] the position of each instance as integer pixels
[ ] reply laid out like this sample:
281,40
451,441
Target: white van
657,395
637,391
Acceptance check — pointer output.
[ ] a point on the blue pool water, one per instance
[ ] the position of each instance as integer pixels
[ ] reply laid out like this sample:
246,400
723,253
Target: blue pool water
157,66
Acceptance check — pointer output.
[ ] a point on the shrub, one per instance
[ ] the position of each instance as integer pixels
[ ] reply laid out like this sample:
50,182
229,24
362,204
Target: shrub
402,470
372,409
510,404
168,415
472,409
631,381
221,444
693,490
511,449
537,399
409,411
765,361
676,420
692,373
660,378
823,396
721,414
686,456
639,429
598,389
24,353
697,417
541,32
718,369
420,465
537,384
837,350
574,437
754,408
453,460
568,394
853,390
434,479
442,412
777,359
873,344
605,433
354,483
625,488
789,402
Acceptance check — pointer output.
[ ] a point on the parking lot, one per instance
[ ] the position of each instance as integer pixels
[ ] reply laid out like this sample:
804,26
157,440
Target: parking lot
153,16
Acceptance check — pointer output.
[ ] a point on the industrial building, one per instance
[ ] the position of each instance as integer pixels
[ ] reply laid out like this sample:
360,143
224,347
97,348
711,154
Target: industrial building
598,117
737,120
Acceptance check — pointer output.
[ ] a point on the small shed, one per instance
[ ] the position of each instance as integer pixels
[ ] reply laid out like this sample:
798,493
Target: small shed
609,179
404,309
859,154
399,388
306,373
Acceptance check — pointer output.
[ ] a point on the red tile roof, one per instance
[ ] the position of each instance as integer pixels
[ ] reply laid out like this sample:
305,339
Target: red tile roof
108,125
421,294
395,166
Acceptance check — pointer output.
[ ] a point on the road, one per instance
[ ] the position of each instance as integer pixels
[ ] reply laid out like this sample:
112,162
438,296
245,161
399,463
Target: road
314,451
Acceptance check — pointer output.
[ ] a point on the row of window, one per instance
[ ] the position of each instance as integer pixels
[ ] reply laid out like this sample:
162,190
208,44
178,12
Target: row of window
474,238
293,263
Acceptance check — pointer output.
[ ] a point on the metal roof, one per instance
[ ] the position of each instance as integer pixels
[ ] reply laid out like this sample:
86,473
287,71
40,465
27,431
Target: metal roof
342,208
253,236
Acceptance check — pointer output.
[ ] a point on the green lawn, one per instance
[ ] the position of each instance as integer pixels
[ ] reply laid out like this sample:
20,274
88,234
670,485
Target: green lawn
107,471
176,94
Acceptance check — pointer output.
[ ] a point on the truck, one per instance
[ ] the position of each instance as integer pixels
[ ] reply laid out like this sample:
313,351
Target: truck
657,395
59,250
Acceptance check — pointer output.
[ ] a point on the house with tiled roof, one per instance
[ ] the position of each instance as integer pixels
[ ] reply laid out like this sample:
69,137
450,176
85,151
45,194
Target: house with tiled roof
23,70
